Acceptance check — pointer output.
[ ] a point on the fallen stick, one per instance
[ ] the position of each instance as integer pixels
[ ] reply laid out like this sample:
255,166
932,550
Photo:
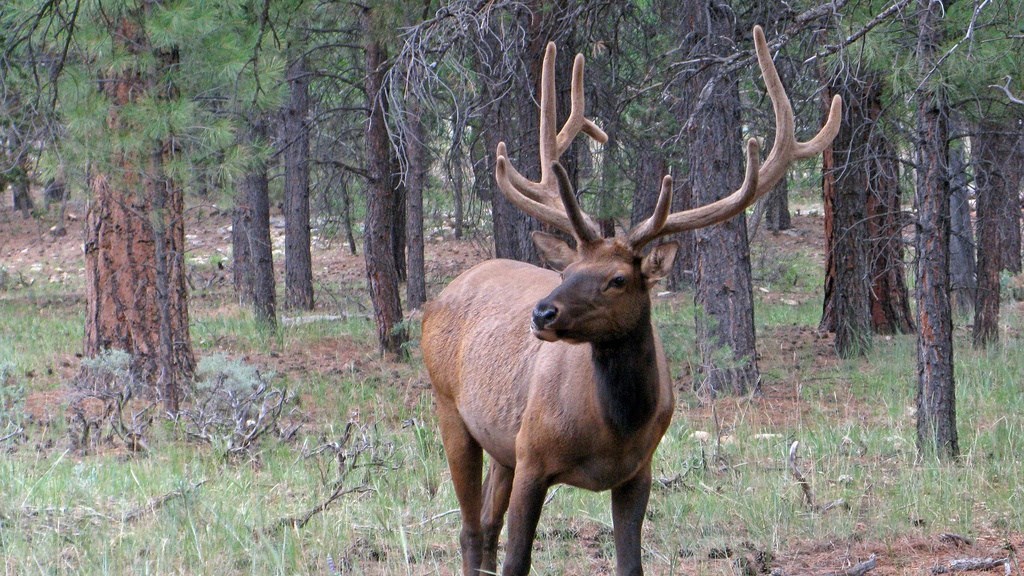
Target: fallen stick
14,434
955,539
156,503
968,564
858,569
301,521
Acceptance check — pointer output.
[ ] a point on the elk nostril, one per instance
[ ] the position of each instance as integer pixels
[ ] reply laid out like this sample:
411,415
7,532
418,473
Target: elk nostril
543,314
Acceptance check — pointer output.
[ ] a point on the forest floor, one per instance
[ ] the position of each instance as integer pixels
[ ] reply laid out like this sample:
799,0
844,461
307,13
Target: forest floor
793,354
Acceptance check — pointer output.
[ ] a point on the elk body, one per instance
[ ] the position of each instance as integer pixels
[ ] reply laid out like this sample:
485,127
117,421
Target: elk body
561,377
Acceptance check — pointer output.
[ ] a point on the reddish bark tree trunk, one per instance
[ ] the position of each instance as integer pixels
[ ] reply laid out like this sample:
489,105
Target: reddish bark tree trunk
936,388
242,270
136,293
863,226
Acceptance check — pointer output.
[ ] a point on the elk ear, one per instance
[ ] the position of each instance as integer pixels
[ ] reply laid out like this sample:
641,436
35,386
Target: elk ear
553,250
658,263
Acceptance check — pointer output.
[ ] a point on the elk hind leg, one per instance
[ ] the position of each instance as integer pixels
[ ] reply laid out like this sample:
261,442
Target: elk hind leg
497,490
465,461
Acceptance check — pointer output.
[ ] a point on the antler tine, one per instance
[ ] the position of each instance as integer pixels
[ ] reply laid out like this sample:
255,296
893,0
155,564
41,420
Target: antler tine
786,147
503,171
583,231
541,199
649,229
577,122
759,179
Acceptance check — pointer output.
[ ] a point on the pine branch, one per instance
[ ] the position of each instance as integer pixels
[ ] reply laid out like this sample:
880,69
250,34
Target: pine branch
882,16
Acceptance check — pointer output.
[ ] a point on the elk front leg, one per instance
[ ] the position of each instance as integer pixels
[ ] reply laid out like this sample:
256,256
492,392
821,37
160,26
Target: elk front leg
497,491
629,504
528,491
465,460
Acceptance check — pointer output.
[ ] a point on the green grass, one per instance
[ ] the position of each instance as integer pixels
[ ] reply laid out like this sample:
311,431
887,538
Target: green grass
112,511
36,331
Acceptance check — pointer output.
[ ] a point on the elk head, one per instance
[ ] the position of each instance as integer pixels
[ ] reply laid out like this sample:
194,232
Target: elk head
604,292
606,281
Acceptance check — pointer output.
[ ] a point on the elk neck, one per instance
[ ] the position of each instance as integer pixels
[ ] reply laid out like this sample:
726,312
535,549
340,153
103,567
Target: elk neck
626,370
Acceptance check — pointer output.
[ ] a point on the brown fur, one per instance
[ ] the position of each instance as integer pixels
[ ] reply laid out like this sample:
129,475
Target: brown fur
536,407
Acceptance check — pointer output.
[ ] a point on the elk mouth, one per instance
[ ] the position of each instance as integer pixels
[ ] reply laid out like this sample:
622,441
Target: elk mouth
544,333
553,335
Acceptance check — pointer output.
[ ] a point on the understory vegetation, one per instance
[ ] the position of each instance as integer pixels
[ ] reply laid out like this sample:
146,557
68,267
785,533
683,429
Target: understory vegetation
301,451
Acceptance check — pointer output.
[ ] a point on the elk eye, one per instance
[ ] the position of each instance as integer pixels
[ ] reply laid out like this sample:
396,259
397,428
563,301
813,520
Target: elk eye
617,282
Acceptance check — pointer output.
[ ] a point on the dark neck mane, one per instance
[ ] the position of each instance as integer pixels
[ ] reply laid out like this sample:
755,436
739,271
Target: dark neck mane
627,378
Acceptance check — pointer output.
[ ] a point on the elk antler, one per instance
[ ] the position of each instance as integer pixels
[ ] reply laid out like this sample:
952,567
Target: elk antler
759,179
541,199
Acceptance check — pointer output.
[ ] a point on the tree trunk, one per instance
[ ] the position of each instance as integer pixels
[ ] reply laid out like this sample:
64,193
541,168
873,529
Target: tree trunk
17,175
399,217
936,389
346,215
22,197
992,145
254,188
136,293
963,266
512,117
381,204
725,319
457,175
298,264
1010,223
417,161
890,300
776,210
242,269
847,309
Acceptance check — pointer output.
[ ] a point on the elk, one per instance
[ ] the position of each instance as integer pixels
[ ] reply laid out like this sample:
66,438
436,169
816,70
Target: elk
582,394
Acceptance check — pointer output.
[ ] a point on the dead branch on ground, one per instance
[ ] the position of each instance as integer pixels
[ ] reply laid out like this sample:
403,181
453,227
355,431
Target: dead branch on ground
805,485
303,519
17,432
158,502
968,564
858,569
345,453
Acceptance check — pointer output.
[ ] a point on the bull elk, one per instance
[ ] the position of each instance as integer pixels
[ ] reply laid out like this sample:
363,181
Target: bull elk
584,395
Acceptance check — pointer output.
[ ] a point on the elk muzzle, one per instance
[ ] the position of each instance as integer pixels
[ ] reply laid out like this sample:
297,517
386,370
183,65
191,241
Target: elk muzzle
544,314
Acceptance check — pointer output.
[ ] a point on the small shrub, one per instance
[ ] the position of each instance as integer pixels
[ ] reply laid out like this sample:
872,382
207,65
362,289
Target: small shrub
12,404
12,394
233,406
101,395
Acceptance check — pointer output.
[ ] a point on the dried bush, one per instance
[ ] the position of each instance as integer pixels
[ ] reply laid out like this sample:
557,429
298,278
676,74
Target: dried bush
232,407
12,404
101,408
